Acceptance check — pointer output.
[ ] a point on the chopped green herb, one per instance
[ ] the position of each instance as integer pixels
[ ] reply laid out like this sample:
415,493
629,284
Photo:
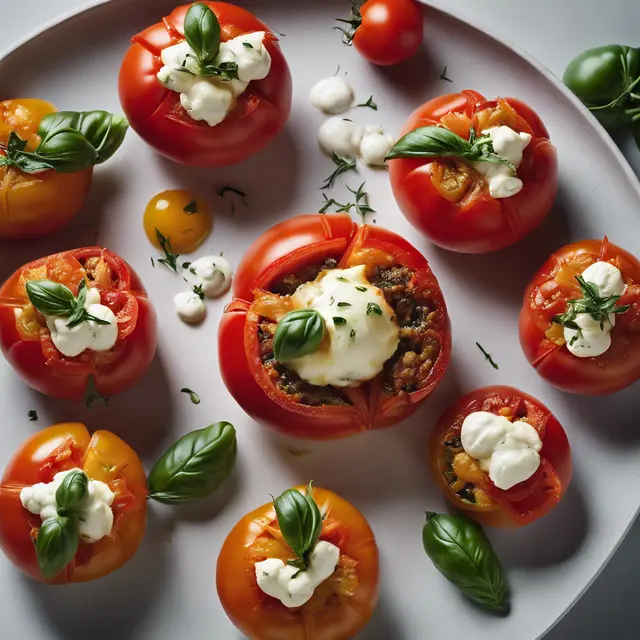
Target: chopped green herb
192,207
341,279
195,398
344,304
369,103
343,164
197,289
487,356
361,288
186,265
338,320
248,45
32,415
222,192
353,333
153,262
373,307
92,395
170,259
331,300
443,75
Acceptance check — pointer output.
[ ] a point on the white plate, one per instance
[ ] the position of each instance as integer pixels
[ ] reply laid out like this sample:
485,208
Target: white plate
168,590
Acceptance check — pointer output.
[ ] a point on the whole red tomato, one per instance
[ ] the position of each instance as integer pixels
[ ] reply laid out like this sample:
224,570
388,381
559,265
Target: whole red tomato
297,250
26,342
450,203
543,341
103,457
340,606
385,32
155,112
469,488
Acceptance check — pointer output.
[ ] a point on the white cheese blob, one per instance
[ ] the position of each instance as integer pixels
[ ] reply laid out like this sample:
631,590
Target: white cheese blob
72,341
341,136
509,144
333,95
209,98
95,517
190,307
214,274
508,451
375,145
362,330
277,580
593,340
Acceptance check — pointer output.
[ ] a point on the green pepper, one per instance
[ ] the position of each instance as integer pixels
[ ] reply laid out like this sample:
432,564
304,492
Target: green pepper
606,79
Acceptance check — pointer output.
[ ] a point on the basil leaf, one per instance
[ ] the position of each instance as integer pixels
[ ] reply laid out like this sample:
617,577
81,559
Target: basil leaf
202,32
462,553
56,545
298,334
430,142
195,466
50,298
71,492
67,151
299,519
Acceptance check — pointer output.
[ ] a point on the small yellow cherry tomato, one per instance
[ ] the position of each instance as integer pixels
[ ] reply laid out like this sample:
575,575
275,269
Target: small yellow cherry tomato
180,216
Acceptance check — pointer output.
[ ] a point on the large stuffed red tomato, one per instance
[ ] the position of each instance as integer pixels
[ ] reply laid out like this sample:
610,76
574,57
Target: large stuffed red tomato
298,251
340,606
155,113
543,341
26,342
450,203
103,457
469,488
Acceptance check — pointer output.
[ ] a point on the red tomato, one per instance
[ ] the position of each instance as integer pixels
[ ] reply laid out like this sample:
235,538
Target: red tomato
386,32
103,457
455,472
26,342
450,203
543,341
158,118
289,248
340,606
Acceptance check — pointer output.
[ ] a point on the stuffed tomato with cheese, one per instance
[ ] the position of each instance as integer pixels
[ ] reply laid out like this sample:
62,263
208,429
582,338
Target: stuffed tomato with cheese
335,328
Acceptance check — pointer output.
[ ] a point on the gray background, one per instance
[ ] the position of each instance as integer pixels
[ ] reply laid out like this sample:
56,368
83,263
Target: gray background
553,31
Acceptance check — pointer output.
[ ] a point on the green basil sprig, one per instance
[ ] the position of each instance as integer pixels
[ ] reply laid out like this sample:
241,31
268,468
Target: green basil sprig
462,553
59,536
438,142
298,334
54,299
195,466
70,141
300,522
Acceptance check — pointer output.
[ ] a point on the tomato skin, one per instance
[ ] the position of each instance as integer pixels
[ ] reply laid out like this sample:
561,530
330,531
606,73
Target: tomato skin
158,118
242,599
555,457
282,249
391,31
482,223
46,370
33,205
619,366
102,456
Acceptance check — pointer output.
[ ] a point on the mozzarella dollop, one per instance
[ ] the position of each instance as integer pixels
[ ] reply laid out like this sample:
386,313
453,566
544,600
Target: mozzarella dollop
340,136
72,341
361,332
214,274
95,517
210,98
593,340
509,144
375,145
190,307
508,451
333,95
290,585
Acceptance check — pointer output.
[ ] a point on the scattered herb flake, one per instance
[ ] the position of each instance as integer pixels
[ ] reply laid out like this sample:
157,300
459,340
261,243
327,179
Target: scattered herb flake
192,207
195,398
341,279
32,415
361,288
222,192
373,307
186,265
487,356
153,262
248,45
443,75
339,320
197,289
369,104
352,334
344,304
92,395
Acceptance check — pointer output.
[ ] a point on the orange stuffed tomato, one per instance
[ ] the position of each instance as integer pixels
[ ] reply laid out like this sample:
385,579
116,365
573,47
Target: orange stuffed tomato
335,328
208,85
112,342
501,456
102,457
339,547
580,321
474,175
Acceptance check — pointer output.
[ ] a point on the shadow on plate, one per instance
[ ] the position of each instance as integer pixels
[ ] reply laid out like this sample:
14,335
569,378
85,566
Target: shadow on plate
384,624
116,606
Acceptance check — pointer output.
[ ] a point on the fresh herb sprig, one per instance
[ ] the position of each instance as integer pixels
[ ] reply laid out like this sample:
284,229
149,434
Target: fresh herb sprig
360,204
343,166
194,397
92,395
353,21
487,356
443,75
438,142
370,104
170,259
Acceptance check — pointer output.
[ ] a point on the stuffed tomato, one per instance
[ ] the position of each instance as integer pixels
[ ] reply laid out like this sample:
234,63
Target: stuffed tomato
474,175
321,585
501,456
77,323
580,320
335,328
207,86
